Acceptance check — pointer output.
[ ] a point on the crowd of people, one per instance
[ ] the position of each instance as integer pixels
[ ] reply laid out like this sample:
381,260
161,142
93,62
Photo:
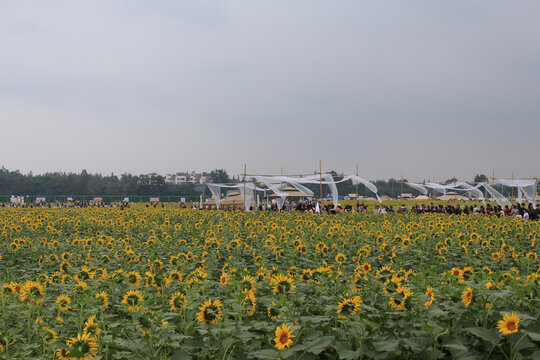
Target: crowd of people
524,211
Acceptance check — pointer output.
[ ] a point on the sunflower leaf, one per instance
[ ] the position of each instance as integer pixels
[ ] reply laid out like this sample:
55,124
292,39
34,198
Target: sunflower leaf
490,335
317,346
265,354
534,336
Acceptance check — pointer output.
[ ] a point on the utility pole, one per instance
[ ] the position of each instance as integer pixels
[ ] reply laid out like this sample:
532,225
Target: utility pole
401,195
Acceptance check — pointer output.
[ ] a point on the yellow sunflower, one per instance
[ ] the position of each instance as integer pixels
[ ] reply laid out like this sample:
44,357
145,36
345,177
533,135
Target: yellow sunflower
63,302
82,347
133,298
429,292
49,335
133,278
32,292
509,324
284,337
467,296
63,354
349,306
91,326
398,300
104,298
223,279
248,284
178,302
282,284
273,311
11,288
210,311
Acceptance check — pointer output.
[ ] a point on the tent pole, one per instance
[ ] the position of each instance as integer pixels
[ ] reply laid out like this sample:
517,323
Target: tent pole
204,185
357,182
512,186
245,206
493,184
320,179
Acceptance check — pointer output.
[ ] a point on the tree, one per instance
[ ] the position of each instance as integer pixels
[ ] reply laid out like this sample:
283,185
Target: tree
480,178
219,176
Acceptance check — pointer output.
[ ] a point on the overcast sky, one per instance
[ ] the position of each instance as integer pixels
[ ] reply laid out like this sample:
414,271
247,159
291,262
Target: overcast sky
427,89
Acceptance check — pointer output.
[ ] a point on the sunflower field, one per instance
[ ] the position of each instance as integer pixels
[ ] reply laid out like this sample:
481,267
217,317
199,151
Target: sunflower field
169,283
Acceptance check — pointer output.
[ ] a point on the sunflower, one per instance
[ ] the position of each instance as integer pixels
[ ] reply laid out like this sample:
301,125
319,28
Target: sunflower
250,299
283,337
82,347
63,301
14,246
509,324
467,296
496,256
133,298
63,354
321,248
349,306
301,248
429,292
49,335
175,276
11,288
306,275
272,311
64,266
282,284
102,296
384,272
223,279
32,291
340,258
366,267
85,274
210,311
133,278
398,300
456,272
81,286
248,284
178,302
91,326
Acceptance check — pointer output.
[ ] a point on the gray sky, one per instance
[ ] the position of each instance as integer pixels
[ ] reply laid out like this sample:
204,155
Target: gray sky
427,89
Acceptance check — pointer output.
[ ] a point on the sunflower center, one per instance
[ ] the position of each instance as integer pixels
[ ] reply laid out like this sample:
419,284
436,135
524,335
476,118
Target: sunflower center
284,338
511,325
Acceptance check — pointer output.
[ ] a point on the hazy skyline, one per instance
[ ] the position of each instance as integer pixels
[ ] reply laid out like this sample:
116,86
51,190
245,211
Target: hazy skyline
423,89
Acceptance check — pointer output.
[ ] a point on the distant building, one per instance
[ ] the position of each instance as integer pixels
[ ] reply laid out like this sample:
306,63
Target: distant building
182,178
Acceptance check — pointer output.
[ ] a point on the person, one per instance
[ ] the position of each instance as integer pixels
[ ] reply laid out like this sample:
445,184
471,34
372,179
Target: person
533,213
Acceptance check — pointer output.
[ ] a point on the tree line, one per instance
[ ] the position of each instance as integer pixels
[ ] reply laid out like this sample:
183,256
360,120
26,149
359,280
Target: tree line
84,183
